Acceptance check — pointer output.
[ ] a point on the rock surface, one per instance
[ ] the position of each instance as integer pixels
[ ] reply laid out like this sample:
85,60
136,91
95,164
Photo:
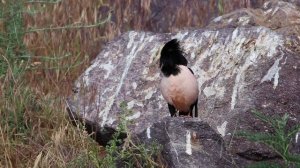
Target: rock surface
185,141
280,16
239,68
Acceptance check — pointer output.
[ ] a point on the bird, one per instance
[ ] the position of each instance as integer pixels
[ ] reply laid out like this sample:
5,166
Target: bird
179,86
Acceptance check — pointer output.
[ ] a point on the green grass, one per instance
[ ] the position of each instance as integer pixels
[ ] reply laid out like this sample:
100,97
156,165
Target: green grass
11,40
131,153
15,97
221,7
279,141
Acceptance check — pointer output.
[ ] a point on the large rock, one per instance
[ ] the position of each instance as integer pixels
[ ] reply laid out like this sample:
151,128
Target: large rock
283,17
238,69
187,142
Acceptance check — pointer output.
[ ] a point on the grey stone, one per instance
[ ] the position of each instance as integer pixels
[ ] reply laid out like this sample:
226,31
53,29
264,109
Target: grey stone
187,142
280,16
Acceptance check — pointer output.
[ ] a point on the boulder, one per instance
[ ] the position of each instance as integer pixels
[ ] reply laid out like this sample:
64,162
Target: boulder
238,68
280,16
187,142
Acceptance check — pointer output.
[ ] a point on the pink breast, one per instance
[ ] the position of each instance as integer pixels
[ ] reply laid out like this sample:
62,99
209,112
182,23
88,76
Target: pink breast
181,90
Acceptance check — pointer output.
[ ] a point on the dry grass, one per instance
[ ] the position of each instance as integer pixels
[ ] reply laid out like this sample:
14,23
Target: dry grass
34,131
62,54
44,47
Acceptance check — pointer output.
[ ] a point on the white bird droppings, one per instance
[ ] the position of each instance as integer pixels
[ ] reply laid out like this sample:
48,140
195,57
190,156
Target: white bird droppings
209,91
188,146
134,85
222,129
111,121
234,33
130,104
131,39
148,133
180,35
273,72
149,94
244,20
108,67
134,116
217,19
213,90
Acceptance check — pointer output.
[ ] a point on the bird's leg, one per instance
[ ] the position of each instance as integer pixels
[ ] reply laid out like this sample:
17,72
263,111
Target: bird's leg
194,105
172,110
196,108
191,110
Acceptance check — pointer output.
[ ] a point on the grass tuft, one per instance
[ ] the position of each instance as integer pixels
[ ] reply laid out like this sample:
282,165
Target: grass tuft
131,153
279,141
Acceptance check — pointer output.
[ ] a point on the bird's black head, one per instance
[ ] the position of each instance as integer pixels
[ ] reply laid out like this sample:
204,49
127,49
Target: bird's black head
170,57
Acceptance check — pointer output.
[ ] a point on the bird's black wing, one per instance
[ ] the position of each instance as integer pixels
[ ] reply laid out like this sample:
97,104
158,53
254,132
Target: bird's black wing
191,71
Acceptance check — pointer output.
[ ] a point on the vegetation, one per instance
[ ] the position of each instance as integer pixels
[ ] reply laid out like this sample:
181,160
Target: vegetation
221,6
43,48
132,153
36,61
279,141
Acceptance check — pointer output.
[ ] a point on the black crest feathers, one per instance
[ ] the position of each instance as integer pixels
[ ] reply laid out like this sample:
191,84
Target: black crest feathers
171,56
